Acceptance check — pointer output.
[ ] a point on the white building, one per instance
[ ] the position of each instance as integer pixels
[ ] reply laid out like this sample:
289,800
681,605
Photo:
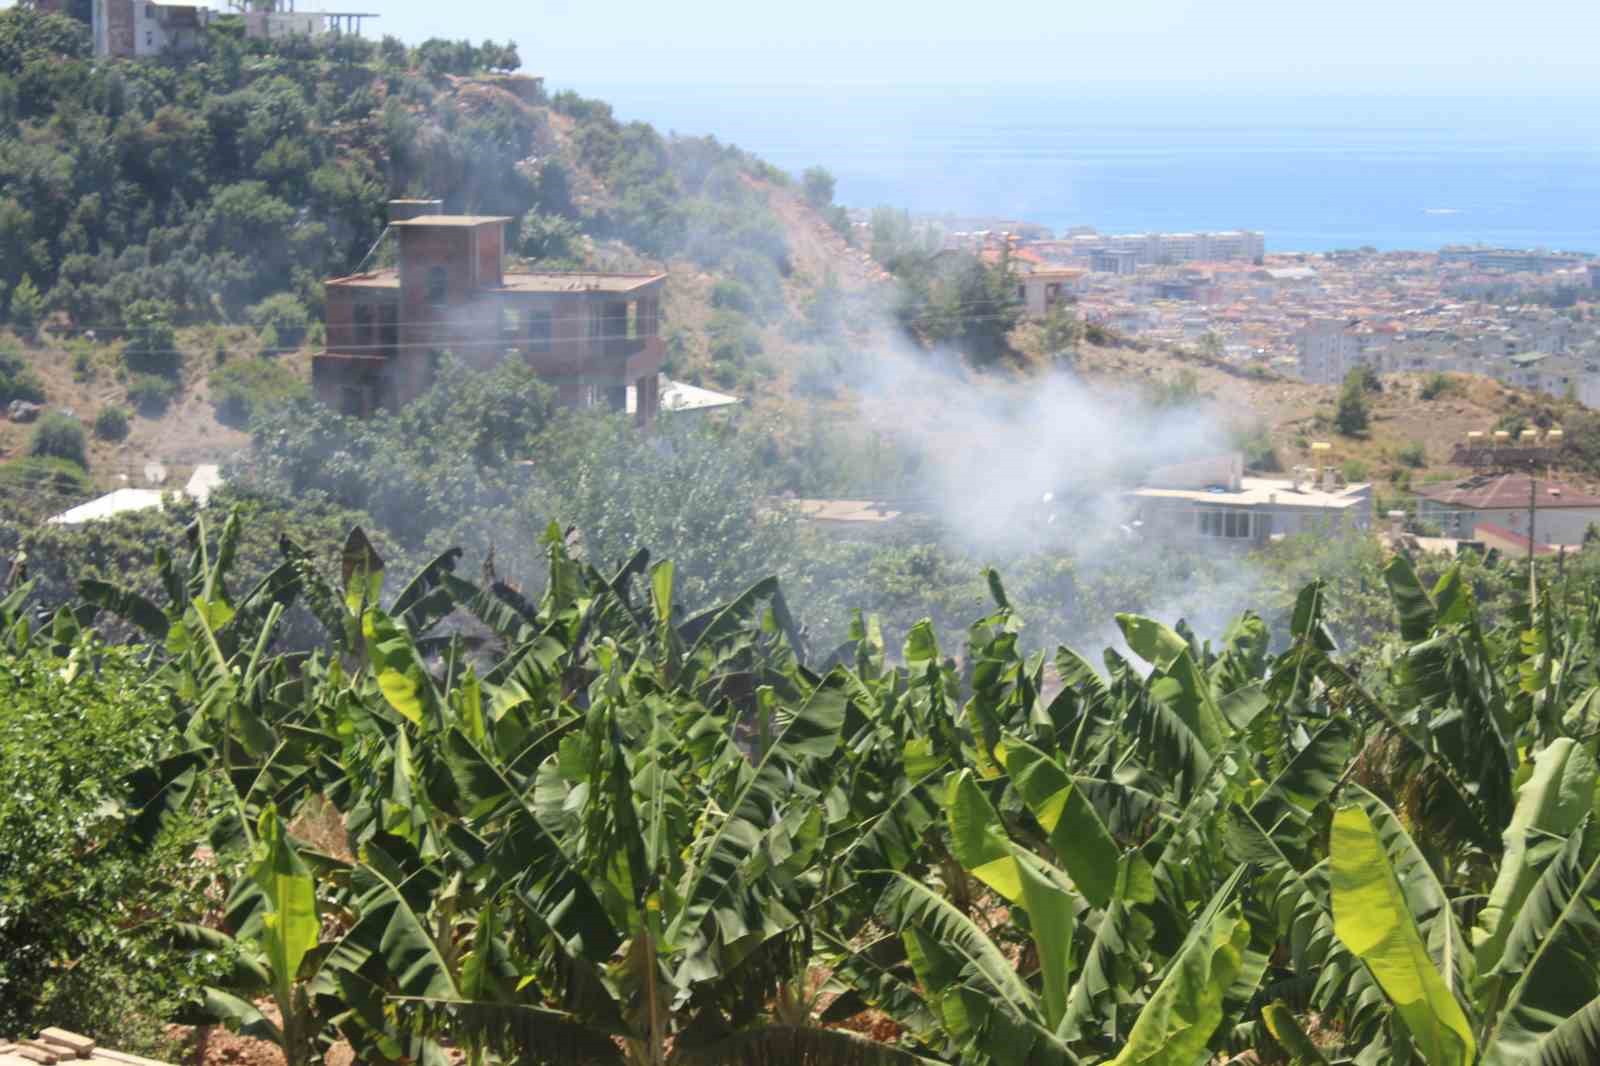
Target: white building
1210,501
1329,349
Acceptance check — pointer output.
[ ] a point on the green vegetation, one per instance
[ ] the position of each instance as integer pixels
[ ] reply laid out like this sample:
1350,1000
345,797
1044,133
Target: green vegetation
735,843
59,436
17,379
242,387
1353,415
111,423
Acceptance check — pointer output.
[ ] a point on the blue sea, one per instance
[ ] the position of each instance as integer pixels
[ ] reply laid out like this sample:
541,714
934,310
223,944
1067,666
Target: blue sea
1314,174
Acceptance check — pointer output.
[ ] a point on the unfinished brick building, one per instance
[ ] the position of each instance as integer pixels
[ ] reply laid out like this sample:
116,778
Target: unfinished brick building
591,336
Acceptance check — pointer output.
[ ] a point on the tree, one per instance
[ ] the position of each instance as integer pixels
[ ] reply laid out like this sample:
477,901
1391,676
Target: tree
151,346
27,307
1352,417
818,185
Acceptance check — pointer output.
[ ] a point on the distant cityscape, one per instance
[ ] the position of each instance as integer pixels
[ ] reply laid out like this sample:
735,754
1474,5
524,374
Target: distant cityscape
1515,315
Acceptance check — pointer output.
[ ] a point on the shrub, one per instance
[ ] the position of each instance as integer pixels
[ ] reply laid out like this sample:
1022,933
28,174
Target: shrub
1414,455
17,379
68,880
1437,385
283,314
151,394
111,424
1353,470
730,295
244,387
59,436
31,475
818,185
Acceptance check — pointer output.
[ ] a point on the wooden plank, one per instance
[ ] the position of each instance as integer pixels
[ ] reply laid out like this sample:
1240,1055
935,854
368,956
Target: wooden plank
43,1056
80,1046
124,1059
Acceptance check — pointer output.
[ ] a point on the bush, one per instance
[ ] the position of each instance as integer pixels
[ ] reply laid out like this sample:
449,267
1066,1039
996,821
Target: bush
69,882
45,475
1353,470
151,394
818,185
244,387
730,295
284,315
1437,385
17,379
111,424
59,436
1414,455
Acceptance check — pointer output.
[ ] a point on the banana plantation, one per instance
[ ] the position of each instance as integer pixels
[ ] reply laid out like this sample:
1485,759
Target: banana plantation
600,828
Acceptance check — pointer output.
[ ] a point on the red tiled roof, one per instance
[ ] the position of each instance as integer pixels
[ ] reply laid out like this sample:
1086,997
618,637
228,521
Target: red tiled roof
1507,540
1505,491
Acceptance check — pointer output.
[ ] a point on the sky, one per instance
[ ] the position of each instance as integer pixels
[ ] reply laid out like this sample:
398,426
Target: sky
1533,47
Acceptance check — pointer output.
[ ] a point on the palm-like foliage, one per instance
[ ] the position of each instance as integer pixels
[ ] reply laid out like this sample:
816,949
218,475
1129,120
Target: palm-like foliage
597,830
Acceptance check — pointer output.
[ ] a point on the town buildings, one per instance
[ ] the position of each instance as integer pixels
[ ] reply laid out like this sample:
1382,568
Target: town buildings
593,336
1211,501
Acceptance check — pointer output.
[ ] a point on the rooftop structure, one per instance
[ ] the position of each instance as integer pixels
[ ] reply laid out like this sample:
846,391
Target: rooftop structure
593,336
1561,511
1210,500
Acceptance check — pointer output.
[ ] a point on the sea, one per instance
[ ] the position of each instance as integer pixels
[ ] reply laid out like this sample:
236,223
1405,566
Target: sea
1314,173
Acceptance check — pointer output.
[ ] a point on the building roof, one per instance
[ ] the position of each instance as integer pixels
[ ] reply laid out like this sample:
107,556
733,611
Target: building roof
423,221
681,396
388,278
1263,492
1507,540
1500,492
207,477
576,281
869,512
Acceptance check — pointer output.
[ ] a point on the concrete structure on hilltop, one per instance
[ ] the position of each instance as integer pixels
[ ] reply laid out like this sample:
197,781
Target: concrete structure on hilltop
593,336
133,29
127,29
1562,515
1210,501
1041,290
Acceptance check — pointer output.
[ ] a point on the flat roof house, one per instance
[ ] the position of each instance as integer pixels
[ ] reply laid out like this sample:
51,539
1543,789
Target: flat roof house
1210,501
595,337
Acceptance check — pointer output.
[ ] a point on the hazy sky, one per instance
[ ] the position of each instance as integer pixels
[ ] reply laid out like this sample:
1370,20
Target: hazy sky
1355,46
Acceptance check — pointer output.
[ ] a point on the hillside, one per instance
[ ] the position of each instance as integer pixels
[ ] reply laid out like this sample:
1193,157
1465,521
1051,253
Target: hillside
1409,411
203,203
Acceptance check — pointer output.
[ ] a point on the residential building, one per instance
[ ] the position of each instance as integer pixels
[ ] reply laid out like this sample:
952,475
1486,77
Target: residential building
127,29
1042,290
593,336
1562,511
1329,349
1594,275
1212,501
1114,261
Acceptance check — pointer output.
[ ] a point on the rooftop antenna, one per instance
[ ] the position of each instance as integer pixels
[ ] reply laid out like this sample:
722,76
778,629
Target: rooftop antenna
373,250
